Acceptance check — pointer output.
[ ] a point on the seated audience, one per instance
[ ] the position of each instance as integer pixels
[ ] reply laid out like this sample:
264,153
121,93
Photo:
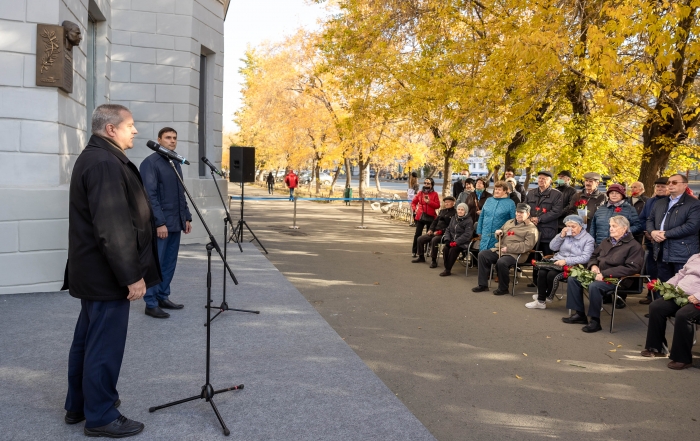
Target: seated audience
617,206
457,237
574,246
687,279
518,236
424,205
617,256
497,210
435,232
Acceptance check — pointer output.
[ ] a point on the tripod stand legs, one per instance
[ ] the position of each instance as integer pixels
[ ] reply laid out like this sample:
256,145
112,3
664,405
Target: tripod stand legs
207,394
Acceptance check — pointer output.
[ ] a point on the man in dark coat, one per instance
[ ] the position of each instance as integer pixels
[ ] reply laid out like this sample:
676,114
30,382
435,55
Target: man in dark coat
545,208
458,187
435,231
172,217
590,198
660,192
673,224
111,260
567,193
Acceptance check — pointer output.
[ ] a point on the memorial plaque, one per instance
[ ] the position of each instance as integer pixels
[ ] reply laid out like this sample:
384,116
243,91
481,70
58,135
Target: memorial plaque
54,54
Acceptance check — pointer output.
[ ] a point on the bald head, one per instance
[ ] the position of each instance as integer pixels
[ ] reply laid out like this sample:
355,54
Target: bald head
637,189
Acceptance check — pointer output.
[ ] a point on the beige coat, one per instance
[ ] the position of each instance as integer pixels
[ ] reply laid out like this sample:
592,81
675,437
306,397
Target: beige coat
522,239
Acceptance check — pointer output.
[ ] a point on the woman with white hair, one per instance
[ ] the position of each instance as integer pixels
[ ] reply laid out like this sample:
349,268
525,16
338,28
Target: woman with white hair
457,237
617,256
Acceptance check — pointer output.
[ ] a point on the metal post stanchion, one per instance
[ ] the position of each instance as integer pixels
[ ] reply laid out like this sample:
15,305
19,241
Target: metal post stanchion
362,226
294,226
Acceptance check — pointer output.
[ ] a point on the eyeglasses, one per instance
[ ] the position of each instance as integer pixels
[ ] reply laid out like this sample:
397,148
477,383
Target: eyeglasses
675,182
426,183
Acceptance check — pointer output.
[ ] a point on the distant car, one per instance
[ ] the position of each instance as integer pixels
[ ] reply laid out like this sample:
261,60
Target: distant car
325,178
520,179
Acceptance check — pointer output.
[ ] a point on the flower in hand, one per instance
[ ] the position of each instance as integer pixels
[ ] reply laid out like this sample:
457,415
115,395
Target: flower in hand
651,285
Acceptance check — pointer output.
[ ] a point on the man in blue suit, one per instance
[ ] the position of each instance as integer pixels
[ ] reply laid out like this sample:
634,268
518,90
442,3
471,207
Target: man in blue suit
171,218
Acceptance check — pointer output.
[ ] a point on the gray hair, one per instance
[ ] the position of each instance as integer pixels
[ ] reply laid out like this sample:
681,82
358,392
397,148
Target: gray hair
621,221
107,114
465,207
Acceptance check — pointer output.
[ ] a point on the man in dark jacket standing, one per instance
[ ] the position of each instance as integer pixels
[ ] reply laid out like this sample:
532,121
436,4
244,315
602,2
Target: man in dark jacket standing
458,187
111,260
545,207
673,224
567,193
172,216
589,198
660,192
435,231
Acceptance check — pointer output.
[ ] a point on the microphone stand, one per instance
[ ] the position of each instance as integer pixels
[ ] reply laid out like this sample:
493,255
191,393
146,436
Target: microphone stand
207,393
227,221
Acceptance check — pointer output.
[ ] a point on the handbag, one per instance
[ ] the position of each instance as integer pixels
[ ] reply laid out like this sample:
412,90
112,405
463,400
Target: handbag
426,218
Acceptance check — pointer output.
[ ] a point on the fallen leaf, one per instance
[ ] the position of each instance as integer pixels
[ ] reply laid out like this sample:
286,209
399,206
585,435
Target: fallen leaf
612,350
558,361
524,354
495,312
376,283
419,327
577,365
549,336
619,346
518,377
603,398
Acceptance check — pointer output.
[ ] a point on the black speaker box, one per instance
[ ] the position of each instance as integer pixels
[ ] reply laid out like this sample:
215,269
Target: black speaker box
242,164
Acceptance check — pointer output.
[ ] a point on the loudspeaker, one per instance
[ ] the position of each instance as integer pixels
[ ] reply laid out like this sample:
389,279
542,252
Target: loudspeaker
242,164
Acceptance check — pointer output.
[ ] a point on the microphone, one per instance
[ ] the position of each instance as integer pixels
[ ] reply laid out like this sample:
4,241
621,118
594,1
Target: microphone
211,166
167,153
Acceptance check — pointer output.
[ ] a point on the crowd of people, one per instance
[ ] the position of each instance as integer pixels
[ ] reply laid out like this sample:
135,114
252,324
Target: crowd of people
614,235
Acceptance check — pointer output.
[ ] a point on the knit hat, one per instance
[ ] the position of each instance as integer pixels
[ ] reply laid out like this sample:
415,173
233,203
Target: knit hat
465,206
449,198
618,188
575,218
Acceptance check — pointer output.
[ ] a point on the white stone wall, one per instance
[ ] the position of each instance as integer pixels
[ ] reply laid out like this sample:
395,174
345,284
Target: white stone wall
148,60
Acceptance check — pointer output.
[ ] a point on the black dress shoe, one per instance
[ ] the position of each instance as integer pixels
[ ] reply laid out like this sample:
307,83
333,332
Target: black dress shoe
593,326
156,312
445,273
531,285
119,428
433,264
645,301
498,292
479,288
575,319
620,304
76,417
418,260
167,304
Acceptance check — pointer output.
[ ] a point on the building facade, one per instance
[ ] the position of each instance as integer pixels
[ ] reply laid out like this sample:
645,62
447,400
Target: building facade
163,59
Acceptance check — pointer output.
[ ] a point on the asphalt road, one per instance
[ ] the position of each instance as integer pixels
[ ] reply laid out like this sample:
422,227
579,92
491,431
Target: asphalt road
472,366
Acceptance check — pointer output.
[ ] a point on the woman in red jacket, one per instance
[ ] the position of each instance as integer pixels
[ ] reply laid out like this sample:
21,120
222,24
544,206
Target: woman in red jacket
424,204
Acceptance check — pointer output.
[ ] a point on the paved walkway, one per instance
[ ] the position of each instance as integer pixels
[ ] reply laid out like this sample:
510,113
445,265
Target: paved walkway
472,366
302,382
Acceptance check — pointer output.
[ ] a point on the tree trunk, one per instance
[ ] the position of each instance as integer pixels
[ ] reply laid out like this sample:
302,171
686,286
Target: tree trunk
494,173
363,164
348,172
518,140
376,178
447,177
656,161
335,179
317,177
528,174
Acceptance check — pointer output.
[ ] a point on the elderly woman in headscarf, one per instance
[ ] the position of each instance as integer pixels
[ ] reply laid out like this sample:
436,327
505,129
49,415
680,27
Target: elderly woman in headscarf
497,211
573,246
617,206
457,237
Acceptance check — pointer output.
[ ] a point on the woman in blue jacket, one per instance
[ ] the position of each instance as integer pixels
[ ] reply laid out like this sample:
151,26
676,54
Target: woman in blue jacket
497,211
617,206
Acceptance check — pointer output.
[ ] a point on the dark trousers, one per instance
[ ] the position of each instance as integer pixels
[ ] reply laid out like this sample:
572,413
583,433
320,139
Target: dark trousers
546,251
420,225
434,242
666,270
651,269
683,332
596,291
270,187
503,265
95,359
451,254
167,255
545,281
